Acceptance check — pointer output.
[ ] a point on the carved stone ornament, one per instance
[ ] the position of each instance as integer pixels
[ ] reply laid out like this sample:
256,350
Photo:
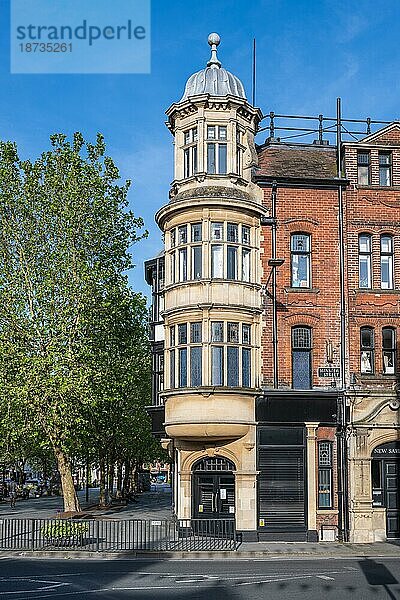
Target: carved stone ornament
250,158
394,404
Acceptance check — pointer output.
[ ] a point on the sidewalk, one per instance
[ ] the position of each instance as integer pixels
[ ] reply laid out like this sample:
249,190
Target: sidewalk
156,504
246,551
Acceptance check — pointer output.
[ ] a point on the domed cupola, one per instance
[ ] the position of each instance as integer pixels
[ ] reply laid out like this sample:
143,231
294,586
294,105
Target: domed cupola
214,79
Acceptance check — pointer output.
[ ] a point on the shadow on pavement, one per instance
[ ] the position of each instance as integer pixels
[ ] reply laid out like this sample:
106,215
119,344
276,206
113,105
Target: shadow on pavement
106,580
378,574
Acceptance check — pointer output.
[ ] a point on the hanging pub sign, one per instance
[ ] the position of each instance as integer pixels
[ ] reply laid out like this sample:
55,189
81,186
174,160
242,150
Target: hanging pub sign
331,372
387,450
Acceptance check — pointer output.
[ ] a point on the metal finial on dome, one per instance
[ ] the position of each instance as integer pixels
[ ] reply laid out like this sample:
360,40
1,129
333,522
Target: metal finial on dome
214,40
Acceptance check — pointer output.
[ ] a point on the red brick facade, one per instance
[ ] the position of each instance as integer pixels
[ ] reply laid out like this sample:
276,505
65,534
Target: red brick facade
307,202
310,205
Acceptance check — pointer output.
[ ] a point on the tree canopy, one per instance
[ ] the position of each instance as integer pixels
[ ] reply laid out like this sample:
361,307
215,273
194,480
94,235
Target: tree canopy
74,352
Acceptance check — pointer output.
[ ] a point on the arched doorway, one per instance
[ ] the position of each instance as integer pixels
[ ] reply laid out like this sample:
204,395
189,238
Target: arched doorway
213,488
385,477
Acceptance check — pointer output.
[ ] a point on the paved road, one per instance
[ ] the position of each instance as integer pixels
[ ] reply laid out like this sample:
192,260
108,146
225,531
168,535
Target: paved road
153,504
363,579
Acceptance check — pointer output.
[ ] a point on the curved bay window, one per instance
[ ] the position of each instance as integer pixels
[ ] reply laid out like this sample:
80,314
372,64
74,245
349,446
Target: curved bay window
230,252
301,358
386,262
230,354
367,360
389,350
364,261
230,346
300,260
325,469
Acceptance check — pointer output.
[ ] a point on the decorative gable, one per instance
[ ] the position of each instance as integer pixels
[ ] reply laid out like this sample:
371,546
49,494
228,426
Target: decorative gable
388,136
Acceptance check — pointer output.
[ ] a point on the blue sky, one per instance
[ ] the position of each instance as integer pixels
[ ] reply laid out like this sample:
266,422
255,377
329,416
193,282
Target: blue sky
308,53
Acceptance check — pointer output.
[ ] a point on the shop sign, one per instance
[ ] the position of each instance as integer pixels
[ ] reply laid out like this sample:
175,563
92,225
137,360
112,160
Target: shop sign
387,450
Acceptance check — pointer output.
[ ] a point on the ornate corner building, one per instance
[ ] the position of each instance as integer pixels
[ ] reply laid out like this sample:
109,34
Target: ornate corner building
274,320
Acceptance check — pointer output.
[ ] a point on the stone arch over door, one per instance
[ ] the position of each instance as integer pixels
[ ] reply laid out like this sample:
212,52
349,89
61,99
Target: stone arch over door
385,483
213,488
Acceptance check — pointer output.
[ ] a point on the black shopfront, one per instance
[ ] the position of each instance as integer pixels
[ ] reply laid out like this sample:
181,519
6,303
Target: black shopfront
282,459
385,471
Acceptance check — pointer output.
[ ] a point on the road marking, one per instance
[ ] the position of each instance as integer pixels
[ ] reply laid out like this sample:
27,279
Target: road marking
50,585
276,580
325,577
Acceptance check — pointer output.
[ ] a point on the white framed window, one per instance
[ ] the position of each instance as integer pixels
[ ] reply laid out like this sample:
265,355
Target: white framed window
385,169
364,261
386,262
367,350
216,149
389,350
183,274
300,260
217,261
190,152
363,168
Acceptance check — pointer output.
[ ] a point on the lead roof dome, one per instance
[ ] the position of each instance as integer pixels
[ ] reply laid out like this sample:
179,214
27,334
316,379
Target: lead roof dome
214,79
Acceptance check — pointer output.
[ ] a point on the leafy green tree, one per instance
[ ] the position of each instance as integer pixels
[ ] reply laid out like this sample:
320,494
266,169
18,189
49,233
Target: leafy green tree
65,232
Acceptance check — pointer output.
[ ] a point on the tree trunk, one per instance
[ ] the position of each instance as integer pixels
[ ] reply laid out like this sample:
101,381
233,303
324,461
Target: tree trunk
71,502
126,487
118,492
102,494
134,477
111,478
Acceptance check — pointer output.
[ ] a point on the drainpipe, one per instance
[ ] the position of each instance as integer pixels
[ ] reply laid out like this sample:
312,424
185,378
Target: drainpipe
274,311
343,505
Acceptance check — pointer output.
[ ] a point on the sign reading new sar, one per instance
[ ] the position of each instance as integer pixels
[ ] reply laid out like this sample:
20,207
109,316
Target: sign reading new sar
332,372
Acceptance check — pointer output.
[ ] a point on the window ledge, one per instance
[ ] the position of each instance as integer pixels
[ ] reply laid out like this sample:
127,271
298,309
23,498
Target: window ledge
377,291
394,188
209,390
302,290
203,280
327,511
377,376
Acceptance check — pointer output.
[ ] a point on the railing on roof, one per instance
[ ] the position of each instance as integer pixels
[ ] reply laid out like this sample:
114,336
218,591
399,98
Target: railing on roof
324,128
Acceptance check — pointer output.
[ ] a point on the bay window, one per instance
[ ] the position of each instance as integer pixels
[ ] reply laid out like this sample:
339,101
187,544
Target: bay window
229,354
229,251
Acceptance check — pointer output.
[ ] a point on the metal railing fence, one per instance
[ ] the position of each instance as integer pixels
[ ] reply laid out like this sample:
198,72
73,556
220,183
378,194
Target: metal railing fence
136,535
